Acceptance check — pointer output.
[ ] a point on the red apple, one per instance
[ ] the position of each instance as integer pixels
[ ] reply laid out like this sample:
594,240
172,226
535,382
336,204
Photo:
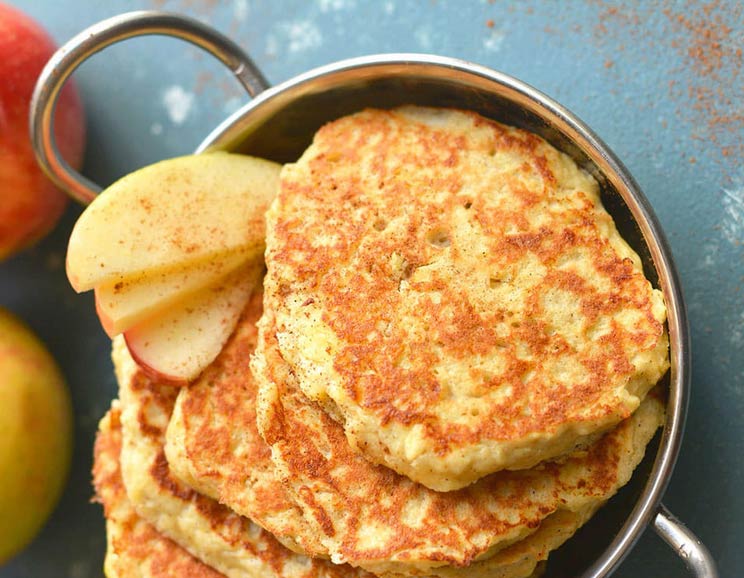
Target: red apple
30,203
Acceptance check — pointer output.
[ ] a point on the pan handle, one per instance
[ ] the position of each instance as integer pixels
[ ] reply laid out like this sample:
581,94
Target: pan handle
693,552
96,38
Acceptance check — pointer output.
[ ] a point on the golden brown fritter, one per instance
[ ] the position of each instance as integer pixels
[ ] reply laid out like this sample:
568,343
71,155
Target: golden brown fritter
135,548
214,447
371,517
453,292
226,541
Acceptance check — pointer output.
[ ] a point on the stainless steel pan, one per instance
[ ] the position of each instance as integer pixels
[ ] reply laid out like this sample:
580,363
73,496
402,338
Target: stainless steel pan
279,123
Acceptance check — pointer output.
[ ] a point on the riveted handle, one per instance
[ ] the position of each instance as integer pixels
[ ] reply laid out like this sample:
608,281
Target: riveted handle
688,546
91,40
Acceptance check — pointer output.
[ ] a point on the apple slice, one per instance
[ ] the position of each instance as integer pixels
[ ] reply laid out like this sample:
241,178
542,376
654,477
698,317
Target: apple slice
177,345
171,215
127,303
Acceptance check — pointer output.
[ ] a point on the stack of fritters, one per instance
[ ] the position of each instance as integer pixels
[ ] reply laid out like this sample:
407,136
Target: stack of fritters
446,374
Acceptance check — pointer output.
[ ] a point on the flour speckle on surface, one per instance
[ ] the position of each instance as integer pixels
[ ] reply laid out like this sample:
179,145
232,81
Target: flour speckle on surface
733,218
710,256
389,8
423,38
334,5
301,36
178,103
156,129
494,41
231,105
736,337
272,45
240,10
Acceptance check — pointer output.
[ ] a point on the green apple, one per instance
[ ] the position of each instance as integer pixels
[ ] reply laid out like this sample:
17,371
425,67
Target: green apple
35,435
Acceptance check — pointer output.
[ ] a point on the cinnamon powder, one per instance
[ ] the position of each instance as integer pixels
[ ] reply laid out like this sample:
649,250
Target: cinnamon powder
708,90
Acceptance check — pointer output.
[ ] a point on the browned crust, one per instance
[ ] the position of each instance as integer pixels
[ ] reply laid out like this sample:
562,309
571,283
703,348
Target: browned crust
346,495
376,168
151,403
220,452
135,547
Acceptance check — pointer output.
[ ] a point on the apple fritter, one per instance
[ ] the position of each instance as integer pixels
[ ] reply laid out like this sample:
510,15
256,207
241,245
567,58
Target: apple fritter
453,292
369,516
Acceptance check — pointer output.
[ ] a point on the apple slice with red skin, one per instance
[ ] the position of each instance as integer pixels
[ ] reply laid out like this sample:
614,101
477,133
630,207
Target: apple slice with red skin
125,304
177,345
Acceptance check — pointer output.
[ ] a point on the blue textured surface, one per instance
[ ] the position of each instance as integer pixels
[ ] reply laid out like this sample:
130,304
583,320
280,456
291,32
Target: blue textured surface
660,82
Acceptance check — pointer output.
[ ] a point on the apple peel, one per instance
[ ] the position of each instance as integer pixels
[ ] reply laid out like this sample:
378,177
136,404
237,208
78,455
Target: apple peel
177,345
128,303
